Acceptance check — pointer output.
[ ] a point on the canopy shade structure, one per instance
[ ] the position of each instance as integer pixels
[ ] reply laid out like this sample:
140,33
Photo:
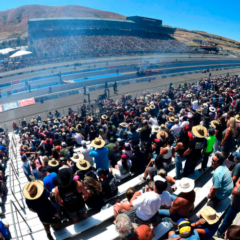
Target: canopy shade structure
20,53
6,50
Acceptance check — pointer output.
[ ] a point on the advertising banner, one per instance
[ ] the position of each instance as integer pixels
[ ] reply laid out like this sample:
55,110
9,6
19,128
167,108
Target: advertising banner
26,102
1,109
9,106
16,82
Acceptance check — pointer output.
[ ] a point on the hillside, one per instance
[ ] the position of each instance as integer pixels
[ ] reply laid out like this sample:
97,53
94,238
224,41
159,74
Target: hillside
13,22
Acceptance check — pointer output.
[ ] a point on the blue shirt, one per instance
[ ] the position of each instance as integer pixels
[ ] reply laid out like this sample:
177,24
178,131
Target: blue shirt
4,230
194,236
209,230
3,149
222,179
100,157
47,181
169,126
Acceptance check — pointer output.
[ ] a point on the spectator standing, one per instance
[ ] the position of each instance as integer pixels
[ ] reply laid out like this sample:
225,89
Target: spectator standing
48,179
196,148
236,170
37,197
222,181
145,133
232,212
85,150
100,154
209,149
26,168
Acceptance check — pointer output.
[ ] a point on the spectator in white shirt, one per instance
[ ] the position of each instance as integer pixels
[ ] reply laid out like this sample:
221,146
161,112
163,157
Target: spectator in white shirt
153,121
149,203
85,150
195,104
78,137
184,123
175,129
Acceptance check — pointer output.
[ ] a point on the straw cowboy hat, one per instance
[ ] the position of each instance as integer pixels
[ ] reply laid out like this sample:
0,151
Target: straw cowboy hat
83,164
189,95
185,185
199,131
53,163
234,90
147,109
237,118
162,135
123,124
152,106
55,121
33,190
25,147
171,119
155,129
205,105
199,111
212,109
171,109
98,143
142,97
227,89
79,125
77,156
214,123
104,117
210,215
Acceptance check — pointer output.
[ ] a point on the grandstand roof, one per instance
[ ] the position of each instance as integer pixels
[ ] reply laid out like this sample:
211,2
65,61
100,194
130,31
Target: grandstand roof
79,18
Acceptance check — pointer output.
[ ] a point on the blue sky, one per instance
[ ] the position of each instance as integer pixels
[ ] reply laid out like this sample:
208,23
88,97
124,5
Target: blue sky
216,17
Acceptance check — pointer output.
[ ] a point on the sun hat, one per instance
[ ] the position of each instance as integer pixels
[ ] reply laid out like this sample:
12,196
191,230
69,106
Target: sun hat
83,164
199,131
171,109
65,176
25,147
205,105
83,143
162,135
185,185
171,119
155,129
77,156
123,124
63,144
210,215
152,106
98,143
104,117
199,111
212,109
33,190
237,118
55,121
184,227
53,163
147,109
214,123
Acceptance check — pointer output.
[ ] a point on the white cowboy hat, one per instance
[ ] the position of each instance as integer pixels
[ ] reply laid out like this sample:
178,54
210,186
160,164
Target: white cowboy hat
210,215
123,124
155,129
212,109
185,185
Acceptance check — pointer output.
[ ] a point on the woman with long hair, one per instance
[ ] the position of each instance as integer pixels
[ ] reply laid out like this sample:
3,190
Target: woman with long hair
95,197
228,138
181,147
122,169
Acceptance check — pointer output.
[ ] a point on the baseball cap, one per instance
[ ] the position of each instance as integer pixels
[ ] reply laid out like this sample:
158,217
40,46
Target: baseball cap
184,227
237,155
24,157
63,144
126,144
124,156
83,142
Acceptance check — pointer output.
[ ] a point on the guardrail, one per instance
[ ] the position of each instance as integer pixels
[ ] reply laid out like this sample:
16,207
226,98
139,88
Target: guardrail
12,205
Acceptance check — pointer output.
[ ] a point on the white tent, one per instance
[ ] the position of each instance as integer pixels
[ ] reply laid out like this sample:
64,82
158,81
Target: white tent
6,50
20,53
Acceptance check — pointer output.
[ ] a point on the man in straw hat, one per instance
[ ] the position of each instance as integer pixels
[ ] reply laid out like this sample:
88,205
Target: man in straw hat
222,181
233,210
85,170
71,194
207,224
100,153
183,205
196,149
37,200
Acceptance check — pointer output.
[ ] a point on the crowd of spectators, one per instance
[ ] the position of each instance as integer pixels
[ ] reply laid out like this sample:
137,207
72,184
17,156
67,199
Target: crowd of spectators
78,159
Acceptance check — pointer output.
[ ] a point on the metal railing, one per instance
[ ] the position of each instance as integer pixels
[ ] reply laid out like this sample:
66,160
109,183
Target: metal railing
16,223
